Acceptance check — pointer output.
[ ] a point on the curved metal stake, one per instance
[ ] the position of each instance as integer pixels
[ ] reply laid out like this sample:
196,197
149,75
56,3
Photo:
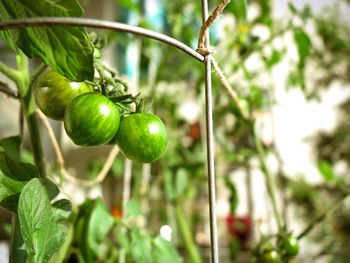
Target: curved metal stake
102,24
210,146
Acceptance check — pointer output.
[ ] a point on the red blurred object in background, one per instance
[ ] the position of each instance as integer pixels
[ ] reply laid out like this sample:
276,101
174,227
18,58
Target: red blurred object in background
241,228
116,212
195,131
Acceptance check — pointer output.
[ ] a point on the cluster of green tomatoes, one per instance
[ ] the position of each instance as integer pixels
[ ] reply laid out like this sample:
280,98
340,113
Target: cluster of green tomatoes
286,248
92,117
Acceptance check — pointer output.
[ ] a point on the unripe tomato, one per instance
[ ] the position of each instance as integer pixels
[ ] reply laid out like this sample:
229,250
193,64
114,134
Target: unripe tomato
271,256
53,92
91,119
266,253
289,246
142,137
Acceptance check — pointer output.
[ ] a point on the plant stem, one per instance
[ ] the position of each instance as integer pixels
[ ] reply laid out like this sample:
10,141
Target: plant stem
23,82
8,72
18,253
322,216
268,180
37,72
186,235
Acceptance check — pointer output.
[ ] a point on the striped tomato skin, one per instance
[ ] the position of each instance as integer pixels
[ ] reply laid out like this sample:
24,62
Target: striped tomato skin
91,119
142,137
53,92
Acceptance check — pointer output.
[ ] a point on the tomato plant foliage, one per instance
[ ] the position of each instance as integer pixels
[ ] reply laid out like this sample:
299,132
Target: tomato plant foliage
42,233
22,192
68,50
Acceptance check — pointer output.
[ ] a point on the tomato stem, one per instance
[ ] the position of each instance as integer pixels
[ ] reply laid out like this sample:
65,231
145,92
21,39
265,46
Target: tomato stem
270,187
8,71
323,216
23,82
192,250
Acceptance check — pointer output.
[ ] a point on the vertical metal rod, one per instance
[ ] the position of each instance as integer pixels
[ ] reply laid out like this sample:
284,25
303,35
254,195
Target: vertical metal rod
210,146
125,199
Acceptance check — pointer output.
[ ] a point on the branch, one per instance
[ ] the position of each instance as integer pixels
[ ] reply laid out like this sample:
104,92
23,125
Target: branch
233,94
205,26
37,72
9,72
270,187
322,216
4,87
88,183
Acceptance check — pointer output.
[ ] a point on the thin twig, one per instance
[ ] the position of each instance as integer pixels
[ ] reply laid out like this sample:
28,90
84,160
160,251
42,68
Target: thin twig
233,94
37,73
322,216
270,187
88,183
216,12
4,88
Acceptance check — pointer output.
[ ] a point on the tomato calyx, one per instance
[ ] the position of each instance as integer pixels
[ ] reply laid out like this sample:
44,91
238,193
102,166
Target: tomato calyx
116,89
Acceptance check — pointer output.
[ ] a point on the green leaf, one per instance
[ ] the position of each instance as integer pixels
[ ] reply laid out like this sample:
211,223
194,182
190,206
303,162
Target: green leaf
18,252
8,197
327,172
13,176
238,8
42,234
9,192
8,35
95,222
141,247
64,250
164,251
303,44
16,170
133,208
123,240
130,5
51,188
12,147
274,59
292,9
68,50
62,209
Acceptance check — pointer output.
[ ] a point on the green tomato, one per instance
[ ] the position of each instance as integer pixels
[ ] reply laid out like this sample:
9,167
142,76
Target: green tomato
91,119
142,137
53,93
289,246
266,253
271,256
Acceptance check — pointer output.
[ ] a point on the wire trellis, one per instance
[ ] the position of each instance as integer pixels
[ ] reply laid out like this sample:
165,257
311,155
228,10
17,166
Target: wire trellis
205,59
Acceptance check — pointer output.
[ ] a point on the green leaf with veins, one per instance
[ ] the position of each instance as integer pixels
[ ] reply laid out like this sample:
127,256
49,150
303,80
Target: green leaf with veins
93,224
12,147
164,251
43,235
68,50
13,176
